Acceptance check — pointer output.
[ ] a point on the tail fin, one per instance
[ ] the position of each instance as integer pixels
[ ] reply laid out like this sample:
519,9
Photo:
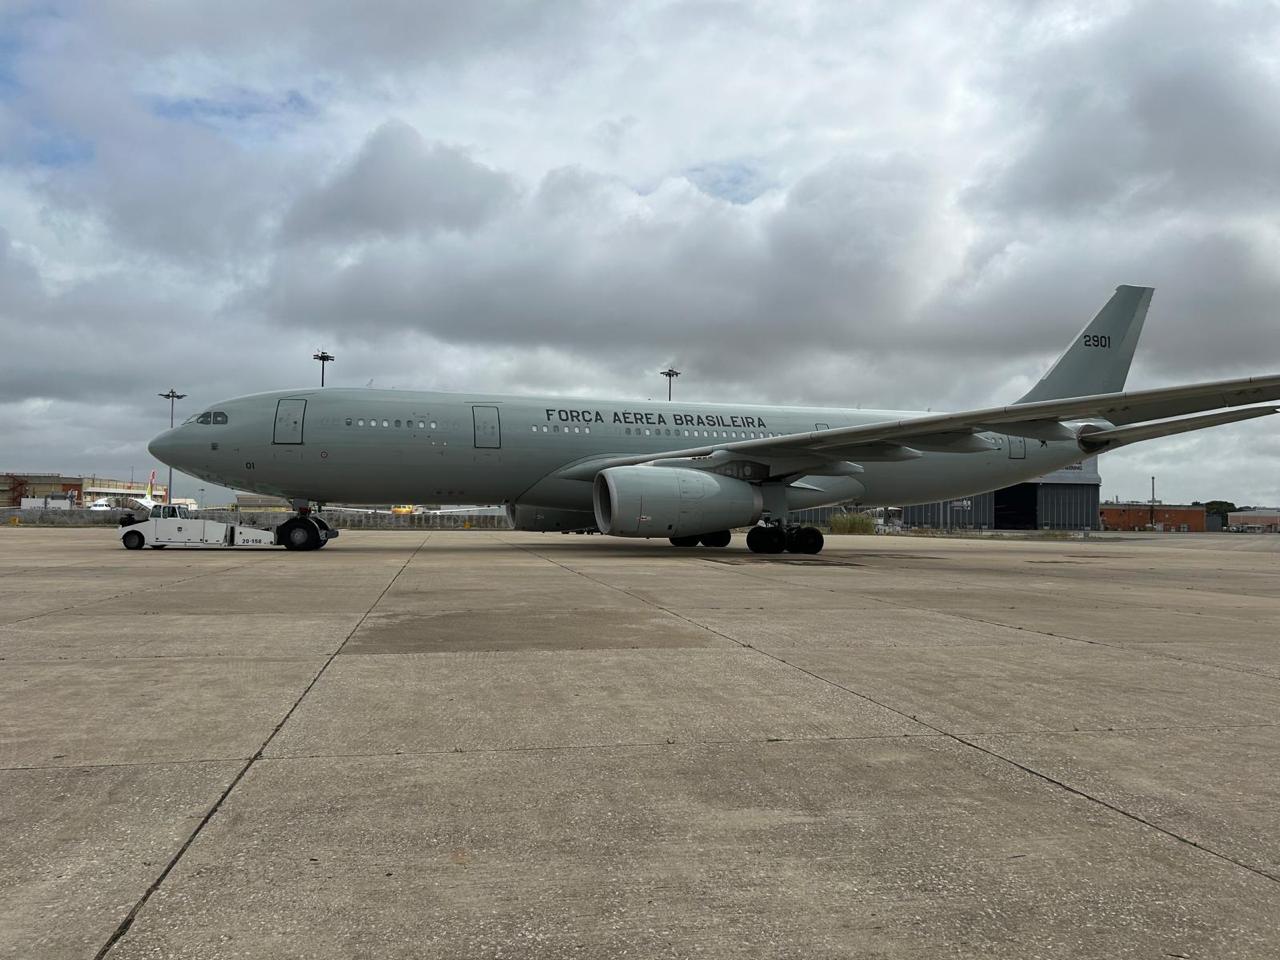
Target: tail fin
1099,358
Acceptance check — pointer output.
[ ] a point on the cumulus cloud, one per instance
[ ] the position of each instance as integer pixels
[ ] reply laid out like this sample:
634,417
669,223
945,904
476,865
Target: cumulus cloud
880,204
399,184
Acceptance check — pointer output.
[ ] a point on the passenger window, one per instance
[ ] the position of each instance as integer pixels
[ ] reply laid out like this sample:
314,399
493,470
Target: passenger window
348,421
628,431
575,429
421,425
535,428
373,423
219,417
544,428
586,429
433,424
384,423
646,431
359,423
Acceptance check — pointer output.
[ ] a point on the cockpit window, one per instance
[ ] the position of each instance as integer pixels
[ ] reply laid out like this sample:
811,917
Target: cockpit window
219,417
205,417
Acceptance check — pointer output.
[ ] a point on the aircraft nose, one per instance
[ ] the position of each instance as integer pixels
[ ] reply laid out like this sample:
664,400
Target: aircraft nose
164,447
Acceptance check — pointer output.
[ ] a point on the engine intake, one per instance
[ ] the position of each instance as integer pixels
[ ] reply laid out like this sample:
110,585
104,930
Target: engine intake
646,501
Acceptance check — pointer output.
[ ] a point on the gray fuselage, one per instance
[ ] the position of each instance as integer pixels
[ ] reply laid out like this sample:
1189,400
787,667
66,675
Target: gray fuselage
401,446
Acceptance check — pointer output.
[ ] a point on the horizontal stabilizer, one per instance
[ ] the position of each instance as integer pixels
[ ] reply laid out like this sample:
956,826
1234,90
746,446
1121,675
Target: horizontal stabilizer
1095,441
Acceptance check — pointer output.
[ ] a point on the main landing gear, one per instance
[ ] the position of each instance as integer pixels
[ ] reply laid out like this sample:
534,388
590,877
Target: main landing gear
775,538
720,538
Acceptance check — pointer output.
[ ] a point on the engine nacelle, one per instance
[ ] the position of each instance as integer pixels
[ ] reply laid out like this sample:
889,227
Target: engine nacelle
523,516
672,502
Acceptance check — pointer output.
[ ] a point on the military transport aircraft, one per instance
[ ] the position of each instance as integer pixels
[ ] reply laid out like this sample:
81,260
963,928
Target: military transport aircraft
688,471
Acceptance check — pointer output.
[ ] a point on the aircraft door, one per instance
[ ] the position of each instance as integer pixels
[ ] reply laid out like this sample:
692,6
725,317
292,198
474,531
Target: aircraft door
289,417
488,428
1017,448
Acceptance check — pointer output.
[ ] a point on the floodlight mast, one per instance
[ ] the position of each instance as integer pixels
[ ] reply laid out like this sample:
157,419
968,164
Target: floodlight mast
670,373
324,356
172,396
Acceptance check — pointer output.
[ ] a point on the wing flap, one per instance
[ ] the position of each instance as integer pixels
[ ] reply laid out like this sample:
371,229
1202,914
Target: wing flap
1096,441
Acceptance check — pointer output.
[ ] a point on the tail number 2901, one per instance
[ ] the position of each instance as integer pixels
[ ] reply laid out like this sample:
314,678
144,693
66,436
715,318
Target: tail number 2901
1097,340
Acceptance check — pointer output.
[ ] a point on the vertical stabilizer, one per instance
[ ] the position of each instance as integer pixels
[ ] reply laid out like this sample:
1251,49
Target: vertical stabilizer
1099,358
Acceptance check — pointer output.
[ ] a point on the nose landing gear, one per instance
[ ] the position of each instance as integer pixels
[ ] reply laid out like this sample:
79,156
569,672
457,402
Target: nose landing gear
775,538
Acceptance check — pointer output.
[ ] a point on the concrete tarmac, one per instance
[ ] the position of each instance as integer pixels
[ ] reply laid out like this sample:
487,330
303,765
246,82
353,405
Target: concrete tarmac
494,744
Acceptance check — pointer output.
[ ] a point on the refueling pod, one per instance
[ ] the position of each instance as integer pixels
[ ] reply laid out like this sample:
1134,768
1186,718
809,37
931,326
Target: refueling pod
524,516
645,501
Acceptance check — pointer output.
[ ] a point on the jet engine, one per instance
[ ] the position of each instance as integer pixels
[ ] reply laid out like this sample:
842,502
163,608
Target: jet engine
524,516
644,501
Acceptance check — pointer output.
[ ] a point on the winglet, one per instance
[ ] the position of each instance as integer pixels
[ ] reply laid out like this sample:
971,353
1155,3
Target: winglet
1098,359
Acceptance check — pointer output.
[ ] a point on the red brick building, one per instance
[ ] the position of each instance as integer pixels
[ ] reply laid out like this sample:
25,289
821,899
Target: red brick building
1170,518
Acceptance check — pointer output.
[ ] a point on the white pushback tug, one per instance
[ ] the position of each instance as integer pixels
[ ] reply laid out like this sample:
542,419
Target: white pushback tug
173,525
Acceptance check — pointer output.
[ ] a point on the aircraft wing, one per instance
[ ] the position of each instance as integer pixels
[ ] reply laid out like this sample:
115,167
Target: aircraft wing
820,450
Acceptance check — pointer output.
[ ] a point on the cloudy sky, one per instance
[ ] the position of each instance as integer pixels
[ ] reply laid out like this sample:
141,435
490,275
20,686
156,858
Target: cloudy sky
879,203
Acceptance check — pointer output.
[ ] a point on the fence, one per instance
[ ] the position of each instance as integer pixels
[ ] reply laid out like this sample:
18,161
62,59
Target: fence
267,520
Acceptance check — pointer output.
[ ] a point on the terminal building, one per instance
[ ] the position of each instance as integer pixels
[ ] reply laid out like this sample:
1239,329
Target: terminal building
1066,499
71,492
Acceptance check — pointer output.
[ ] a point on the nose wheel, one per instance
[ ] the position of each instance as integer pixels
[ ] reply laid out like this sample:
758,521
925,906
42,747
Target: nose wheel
774,538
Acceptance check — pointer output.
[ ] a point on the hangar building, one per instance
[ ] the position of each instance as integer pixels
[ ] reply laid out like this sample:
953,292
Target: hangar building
1066,499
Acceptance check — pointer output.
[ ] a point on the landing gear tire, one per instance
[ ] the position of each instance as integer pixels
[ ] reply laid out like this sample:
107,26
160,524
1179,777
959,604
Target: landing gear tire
806,540
720,538
133,540
766,540
300,533
680,541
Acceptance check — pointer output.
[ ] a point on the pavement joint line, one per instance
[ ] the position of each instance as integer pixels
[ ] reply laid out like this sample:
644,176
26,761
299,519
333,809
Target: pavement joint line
150,587
122,763
934,734
584,747
123,927
960,739
639,744
898,605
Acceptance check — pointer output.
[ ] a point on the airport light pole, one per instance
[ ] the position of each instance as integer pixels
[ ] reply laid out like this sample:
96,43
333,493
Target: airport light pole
324,356
172,396
670,373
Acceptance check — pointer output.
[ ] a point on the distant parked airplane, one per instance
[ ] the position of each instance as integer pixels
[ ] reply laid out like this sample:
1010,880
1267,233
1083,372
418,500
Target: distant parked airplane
146,501
687,471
